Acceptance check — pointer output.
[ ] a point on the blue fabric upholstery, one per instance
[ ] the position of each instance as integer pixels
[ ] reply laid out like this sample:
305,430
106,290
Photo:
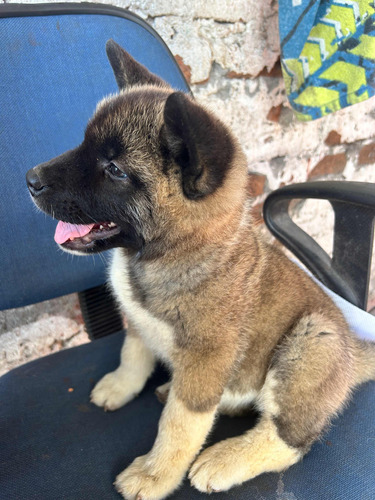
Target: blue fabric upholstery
56,445
54,70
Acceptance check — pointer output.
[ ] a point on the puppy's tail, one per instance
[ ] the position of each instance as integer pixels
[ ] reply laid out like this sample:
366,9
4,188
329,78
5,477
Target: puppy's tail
365,361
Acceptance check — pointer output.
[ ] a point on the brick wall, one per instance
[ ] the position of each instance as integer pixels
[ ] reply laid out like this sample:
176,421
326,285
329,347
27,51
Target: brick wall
229,52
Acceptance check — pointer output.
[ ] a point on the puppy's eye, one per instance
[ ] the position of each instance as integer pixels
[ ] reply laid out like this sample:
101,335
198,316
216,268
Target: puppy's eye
115,171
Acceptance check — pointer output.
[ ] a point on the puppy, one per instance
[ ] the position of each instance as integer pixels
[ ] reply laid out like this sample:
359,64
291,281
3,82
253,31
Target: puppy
163,182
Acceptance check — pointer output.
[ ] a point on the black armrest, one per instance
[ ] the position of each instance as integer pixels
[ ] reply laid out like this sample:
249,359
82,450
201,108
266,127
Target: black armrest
348,272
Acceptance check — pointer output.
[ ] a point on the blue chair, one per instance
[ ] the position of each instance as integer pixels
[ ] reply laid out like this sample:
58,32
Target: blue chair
53,443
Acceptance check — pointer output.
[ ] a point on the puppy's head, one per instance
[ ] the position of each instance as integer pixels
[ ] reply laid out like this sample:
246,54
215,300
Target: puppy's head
150,157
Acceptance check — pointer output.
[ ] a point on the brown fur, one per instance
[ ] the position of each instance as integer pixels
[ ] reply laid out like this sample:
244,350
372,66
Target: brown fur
229,314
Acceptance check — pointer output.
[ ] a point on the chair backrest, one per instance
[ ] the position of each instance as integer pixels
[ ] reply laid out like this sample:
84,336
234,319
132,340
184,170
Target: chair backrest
53,72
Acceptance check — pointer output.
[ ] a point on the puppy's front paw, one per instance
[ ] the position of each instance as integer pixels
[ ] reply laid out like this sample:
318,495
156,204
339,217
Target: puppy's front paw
144,481
216,469
113,391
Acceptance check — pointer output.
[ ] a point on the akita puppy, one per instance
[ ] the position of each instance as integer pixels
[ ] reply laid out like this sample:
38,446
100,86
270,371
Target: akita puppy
163,181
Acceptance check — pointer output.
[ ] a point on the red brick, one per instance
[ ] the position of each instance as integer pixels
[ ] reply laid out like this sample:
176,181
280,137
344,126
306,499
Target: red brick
367,154
274,113
256,184
201,82
274,72
333,138
234,74
185,68
330,164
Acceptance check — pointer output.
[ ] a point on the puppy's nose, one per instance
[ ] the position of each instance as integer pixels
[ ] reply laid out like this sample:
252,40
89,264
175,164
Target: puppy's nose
34,183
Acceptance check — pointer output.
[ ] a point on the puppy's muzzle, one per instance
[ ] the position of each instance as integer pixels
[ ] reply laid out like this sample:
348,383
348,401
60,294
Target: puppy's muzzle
34,183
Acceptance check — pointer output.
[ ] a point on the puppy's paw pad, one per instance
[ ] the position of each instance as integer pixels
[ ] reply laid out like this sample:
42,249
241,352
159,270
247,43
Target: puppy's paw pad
111,392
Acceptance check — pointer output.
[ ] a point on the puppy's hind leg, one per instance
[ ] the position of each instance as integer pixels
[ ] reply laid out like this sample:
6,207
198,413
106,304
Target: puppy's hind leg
239,459
120,386
308,382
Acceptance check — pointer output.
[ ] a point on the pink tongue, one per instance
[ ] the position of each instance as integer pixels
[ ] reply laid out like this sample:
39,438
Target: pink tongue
65,231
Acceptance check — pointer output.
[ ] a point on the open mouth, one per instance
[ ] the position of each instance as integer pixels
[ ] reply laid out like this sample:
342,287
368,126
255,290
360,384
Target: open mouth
84,236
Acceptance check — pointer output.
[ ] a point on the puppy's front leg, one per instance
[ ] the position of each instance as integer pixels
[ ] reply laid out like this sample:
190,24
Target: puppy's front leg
185,422
181,434
120,386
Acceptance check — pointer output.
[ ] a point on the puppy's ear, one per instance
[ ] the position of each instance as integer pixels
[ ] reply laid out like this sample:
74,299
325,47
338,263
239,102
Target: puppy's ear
127,70
199,143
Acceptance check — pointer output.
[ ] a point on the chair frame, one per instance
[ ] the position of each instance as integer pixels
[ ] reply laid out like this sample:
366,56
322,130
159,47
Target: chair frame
348,272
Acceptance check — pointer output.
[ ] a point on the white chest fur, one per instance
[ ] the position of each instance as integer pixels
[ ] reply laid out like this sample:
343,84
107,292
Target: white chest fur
156,334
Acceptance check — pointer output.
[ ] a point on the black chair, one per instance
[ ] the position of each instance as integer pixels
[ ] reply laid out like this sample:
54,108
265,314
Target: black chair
54,443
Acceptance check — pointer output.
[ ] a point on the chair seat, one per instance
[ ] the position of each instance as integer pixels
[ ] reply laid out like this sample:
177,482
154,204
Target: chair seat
55,444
